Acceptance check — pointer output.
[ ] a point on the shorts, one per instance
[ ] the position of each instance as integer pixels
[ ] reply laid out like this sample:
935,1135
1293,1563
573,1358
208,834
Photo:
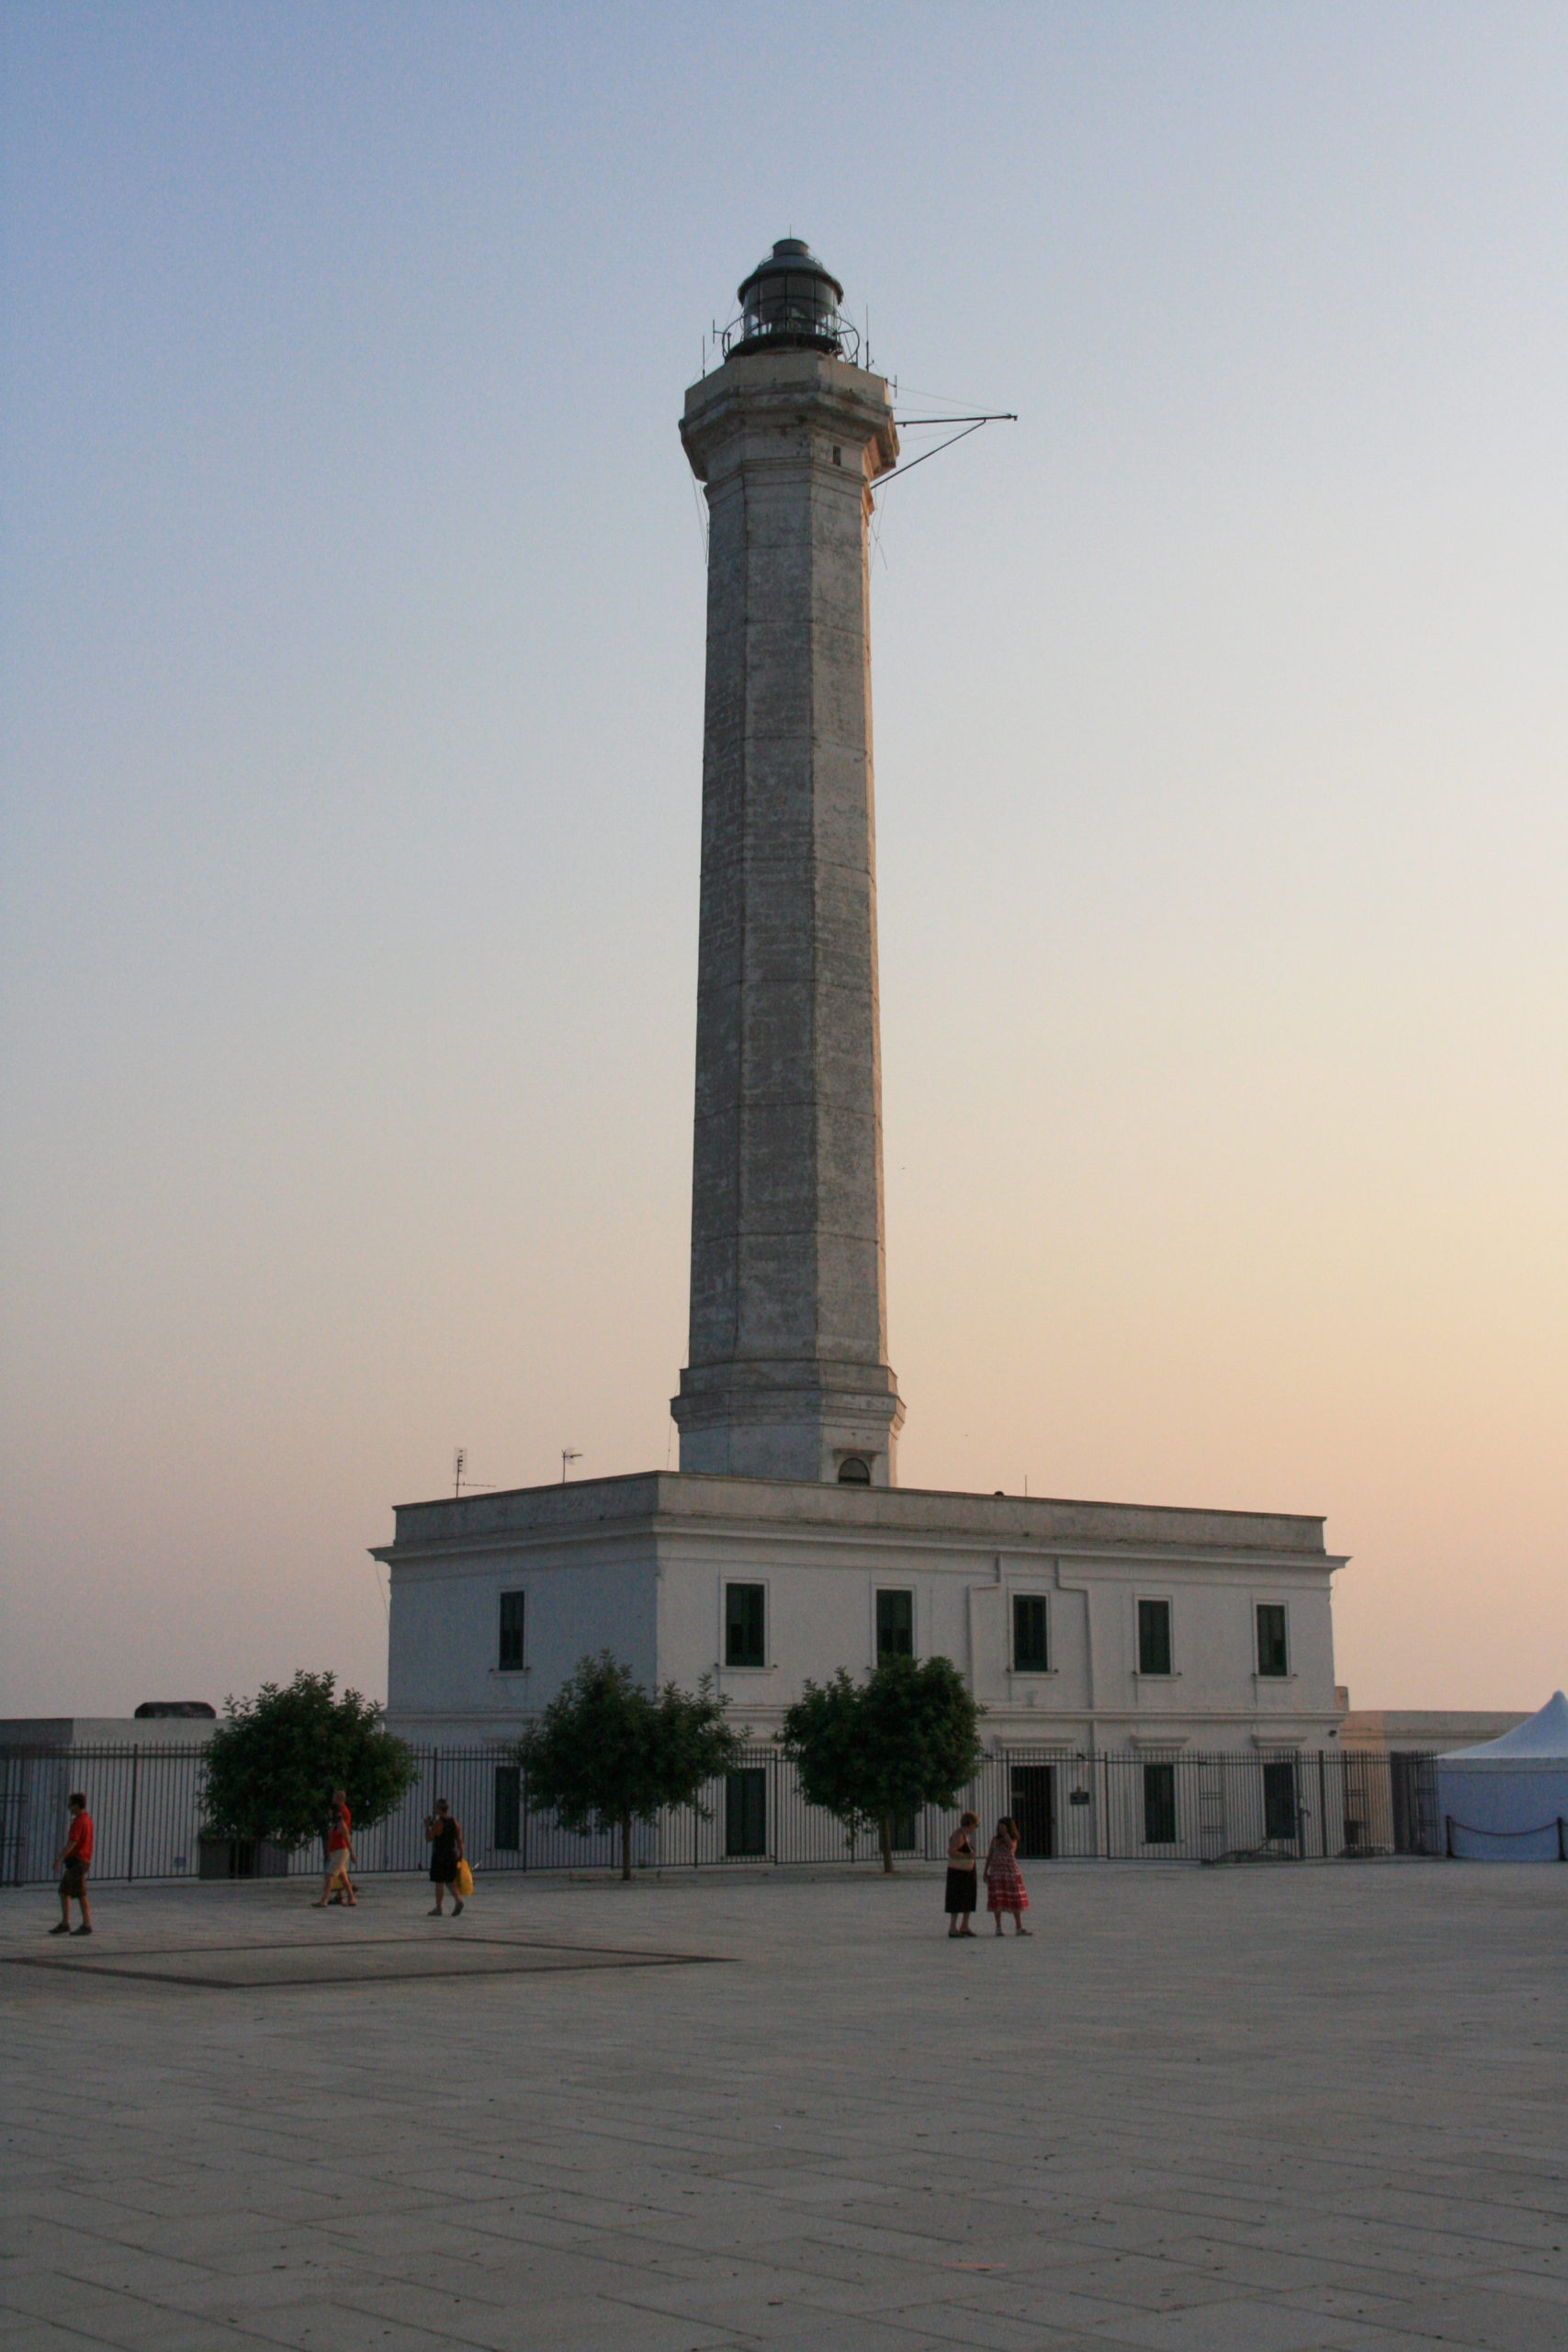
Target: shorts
73,1881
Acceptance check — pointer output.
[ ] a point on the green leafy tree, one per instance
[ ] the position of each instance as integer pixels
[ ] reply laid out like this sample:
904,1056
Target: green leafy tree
274,1761
872,1753
605,1752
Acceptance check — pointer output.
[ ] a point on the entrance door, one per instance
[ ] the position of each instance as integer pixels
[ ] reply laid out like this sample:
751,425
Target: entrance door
1033,1800
746,1812
1282,1822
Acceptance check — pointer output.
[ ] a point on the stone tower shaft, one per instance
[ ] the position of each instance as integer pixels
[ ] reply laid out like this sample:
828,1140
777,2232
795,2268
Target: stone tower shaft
788,1375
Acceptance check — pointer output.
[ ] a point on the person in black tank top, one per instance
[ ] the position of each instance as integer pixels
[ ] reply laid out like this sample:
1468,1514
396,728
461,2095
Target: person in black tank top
963,1876
445,1837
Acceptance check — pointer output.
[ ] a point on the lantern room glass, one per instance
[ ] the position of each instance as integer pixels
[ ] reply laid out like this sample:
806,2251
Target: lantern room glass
790,300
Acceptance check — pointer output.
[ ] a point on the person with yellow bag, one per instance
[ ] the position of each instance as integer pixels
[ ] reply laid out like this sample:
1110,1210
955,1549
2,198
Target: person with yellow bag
448,1864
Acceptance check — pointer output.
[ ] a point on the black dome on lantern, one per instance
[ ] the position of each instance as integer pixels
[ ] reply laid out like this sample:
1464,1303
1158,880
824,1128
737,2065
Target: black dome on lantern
789,303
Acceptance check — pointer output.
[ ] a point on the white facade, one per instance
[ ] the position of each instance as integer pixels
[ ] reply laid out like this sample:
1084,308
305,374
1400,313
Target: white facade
644,1566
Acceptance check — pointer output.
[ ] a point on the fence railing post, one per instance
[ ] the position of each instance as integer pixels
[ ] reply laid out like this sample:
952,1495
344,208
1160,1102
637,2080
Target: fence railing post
1322,1802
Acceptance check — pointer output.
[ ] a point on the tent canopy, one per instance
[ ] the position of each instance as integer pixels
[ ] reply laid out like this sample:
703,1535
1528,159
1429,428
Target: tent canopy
1541,1743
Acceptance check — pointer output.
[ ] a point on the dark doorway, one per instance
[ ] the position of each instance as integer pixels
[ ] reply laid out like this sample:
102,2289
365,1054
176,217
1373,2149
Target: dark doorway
506,1829
1280,1820
1033,1800
746,1811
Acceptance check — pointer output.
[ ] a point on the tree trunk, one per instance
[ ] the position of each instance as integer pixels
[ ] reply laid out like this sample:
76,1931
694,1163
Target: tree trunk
885,1828
626,1844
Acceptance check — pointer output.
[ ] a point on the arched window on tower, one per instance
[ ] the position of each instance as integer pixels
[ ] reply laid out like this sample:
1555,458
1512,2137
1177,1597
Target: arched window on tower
853,1472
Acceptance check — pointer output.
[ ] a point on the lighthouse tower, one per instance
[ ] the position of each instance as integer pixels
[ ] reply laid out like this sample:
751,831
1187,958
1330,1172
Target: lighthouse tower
783,1550
788,1375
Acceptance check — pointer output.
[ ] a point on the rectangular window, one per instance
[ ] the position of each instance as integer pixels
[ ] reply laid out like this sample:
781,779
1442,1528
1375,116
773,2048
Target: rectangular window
745,1808
1031,1647
1159,1805
745,1624
1271,1653
1154,1637
507,1825
1280,1801
895,1625
509,1656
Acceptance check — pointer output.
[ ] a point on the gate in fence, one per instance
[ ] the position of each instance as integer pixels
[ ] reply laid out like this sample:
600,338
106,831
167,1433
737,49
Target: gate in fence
146,1803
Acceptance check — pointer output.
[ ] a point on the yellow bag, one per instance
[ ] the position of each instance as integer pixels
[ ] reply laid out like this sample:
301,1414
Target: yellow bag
463,1881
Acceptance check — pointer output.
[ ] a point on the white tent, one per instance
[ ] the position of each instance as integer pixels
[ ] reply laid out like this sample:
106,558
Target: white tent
1507,1800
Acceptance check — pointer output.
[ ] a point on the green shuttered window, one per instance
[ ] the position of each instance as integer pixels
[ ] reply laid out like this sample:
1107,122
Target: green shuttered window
745,1624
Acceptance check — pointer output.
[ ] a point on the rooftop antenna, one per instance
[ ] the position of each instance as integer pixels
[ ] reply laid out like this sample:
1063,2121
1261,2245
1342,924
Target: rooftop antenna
568,1453
462,1484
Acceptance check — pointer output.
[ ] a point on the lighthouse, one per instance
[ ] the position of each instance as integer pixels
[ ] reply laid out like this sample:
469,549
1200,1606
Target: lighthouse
787,1374
783,1550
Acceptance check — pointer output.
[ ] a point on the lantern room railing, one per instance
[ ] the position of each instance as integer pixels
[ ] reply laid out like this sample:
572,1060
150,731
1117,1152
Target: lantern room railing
784,321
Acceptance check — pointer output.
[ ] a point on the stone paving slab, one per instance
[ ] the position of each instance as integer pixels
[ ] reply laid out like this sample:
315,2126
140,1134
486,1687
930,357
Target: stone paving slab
1278,2111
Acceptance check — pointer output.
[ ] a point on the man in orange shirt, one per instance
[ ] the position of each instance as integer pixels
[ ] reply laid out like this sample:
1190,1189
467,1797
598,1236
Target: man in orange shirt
73,1863
340,1856
348,1892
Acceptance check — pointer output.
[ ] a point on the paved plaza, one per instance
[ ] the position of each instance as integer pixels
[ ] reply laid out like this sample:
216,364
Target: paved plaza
1256,2109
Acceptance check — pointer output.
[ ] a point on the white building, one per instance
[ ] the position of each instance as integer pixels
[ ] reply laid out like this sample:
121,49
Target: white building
783,1547
1086,1626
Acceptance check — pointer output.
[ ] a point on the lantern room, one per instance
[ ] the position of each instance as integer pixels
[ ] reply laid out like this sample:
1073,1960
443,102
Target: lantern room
789,302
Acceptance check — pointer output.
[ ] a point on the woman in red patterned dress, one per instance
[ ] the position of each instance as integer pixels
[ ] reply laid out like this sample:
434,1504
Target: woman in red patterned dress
1005,1890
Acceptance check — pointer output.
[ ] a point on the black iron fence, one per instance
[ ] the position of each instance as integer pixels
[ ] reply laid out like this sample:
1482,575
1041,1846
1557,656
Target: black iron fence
146,1803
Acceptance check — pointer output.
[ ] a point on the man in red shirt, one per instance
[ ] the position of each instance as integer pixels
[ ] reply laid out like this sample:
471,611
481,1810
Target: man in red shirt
340,1855
348,1892
73,1863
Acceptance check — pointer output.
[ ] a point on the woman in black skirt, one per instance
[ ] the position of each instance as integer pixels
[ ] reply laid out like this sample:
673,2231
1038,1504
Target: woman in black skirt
962,1877
446,1852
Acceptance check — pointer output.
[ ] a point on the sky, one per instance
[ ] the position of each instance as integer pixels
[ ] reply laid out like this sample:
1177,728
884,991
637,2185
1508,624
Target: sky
353,642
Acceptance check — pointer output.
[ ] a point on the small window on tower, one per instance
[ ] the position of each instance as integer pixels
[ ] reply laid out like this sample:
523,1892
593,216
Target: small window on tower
837,457
853,1472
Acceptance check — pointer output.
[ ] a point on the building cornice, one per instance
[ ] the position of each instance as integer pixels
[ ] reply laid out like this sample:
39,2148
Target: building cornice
690,1505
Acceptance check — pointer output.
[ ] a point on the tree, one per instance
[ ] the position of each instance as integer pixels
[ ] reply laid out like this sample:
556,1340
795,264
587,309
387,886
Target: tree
605,1752
274,1761
873,1753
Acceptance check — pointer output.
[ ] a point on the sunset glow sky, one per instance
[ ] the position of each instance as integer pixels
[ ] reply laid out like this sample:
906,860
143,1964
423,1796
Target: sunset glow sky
353,644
